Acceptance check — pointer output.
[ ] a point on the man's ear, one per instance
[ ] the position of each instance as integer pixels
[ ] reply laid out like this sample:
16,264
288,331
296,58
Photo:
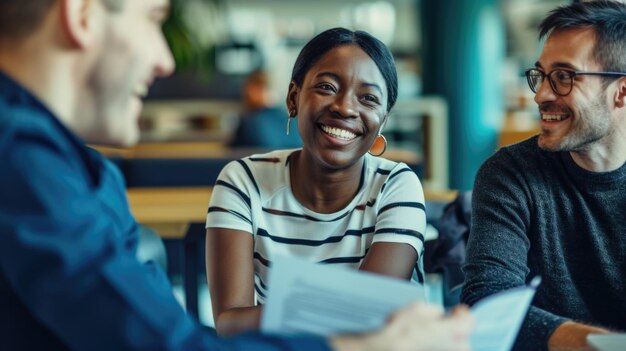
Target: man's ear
620,93
292,97
77,18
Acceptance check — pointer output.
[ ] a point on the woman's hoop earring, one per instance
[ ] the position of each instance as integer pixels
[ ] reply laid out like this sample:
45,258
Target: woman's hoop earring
379,146
292,114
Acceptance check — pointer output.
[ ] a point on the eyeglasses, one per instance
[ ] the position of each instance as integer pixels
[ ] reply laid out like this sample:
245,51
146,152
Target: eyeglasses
561,80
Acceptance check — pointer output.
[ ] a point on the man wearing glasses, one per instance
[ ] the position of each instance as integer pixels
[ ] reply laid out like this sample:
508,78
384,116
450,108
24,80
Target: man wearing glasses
555,205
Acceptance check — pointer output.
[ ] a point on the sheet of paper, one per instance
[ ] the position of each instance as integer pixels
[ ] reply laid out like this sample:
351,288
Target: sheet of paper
499,317
320,299
607,342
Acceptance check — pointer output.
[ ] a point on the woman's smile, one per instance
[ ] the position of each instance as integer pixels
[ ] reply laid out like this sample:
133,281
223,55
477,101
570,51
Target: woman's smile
338,133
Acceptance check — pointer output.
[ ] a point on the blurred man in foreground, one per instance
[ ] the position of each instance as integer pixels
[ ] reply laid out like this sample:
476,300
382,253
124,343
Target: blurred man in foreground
74,70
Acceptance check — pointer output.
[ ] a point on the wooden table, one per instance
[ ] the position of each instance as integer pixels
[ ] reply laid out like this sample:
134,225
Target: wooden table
169,211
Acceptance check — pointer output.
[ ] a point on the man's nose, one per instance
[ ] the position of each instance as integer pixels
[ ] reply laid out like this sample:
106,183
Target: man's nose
165,64
544,92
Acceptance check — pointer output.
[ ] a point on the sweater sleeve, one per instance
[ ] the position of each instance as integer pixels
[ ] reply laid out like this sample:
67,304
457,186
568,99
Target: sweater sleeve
498,246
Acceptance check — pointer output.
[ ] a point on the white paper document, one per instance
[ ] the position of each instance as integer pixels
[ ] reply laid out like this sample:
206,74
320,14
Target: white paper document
499,317
305,297
607,342
311,298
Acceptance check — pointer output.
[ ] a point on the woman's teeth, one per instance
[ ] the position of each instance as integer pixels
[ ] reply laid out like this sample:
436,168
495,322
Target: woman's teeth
338,133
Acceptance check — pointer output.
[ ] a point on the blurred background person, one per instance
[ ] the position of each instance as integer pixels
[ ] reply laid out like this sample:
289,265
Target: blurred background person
263,124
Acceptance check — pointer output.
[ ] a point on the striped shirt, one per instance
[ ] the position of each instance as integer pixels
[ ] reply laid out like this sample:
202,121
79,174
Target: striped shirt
254,195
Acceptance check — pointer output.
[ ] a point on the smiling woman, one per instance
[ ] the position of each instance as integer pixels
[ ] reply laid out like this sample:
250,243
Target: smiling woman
328,202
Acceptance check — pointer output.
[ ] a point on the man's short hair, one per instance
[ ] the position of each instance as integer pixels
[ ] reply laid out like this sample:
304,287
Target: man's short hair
18,18
606,18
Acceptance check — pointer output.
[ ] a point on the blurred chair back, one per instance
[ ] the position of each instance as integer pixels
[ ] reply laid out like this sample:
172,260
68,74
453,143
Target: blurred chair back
446,254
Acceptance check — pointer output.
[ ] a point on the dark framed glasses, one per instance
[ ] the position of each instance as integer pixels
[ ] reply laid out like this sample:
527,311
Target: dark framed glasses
561,80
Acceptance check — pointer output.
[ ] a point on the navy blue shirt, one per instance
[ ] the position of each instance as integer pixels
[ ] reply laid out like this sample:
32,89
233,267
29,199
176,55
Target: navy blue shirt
68,274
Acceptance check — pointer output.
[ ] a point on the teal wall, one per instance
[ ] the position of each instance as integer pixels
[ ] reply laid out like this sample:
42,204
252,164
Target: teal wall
463,48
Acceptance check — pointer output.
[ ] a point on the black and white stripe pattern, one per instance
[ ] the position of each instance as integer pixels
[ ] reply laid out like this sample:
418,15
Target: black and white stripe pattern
254,195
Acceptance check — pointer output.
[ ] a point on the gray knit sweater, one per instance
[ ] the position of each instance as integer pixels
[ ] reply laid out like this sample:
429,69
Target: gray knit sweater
537,213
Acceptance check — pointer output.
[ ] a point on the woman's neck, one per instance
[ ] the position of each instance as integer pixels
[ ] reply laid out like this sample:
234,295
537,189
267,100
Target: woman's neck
323,190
